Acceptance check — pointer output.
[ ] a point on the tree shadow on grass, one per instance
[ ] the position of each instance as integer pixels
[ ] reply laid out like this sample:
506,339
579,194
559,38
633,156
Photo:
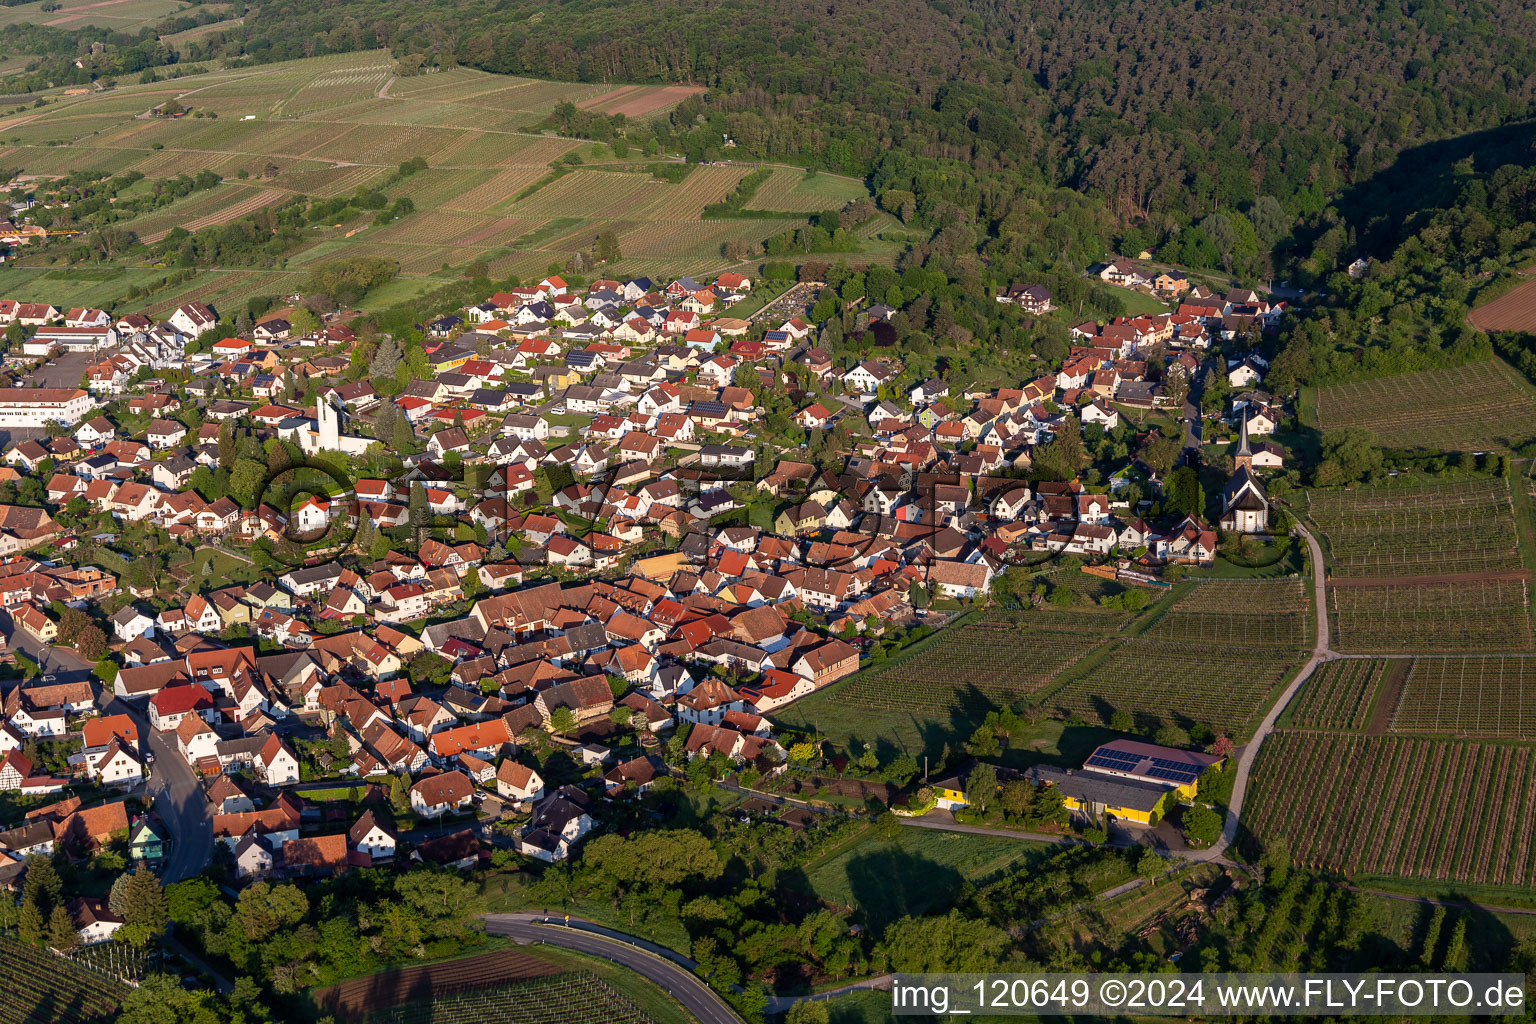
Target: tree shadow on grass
890,883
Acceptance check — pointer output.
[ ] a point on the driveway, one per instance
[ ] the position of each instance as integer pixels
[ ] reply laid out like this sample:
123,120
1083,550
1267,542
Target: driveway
662,966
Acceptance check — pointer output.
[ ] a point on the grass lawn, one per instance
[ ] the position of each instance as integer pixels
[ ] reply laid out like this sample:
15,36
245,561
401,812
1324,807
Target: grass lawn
505,893
219,564
1490,935
402,289
918,872
859,1008
1147,419
343,793
1272,559
1135,302
568,419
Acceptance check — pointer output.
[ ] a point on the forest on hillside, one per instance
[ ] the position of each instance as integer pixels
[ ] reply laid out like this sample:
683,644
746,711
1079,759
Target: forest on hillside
1171,111
1262,139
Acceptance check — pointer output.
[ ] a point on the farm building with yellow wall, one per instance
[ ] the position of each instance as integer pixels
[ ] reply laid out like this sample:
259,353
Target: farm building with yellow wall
1093,795
1124,779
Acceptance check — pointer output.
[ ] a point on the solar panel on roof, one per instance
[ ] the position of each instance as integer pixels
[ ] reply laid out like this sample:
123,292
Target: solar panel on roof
1165,773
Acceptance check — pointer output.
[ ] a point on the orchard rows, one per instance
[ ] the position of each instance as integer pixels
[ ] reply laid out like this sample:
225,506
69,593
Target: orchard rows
1415,808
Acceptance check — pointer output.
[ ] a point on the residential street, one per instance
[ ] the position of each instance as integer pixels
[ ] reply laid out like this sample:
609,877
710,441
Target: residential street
61,662
178,799
173,785
177,796
1192,438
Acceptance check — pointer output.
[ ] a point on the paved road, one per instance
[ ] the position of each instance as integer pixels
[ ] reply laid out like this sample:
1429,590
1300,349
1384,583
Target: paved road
662,966
60,662
173,785
180,802
1192,420
177,795
1250,752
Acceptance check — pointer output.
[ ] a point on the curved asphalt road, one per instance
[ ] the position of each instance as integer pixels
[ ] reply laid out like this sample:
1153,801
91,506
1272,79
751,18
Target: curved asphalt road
698,998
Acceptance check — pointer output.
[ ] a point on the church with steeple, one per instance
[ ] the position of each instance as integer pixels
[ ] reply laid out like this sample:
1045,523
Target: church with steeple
1244,505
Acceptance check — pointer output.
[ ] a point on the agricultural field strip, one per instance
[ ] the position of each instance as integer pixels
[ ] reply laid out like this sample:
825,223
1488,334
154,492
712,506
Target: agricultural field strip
1255,614
1351,803
1489,696
1515,310
1185,668
1154,680
1468,616
996,658
1337,695
1469,408
359,995
575,998
1443,527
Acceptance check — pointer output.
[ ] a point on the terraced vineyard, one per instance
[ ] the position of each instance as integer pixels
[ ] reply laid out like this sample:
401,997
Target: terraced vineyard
996,659
1413,808
1477,407
328,126
41,988
573,998
1469,614
1228,613
1419,527
1492,696
1337,695
1177,684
